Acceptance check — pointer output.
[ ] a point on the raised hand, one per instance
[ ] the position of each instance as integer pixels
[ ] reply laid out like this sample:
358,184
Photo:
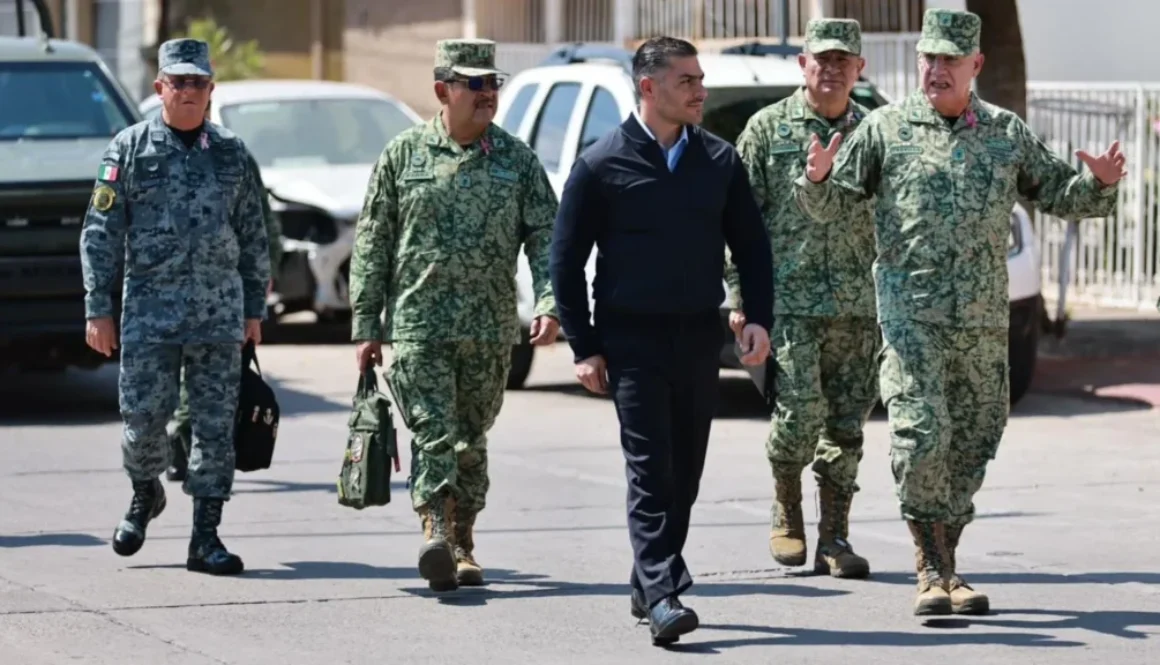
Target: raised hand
1108,168
819,160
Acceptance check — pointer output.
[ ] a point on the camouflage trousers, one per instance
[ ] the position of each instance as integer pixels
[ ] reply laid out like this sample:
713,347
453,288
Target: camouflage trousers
827,378
946,390
180,429
150,380
448,395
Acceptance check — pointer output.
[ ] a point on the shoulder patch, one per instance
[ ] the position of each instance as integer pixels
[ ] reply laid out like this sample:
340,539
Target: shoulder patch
108,172
103,198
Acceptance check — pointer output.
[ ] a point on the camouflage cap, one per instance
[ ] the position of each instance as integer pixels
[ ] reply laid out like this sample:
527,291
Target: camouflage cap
184,57
834,34
468,57
949,32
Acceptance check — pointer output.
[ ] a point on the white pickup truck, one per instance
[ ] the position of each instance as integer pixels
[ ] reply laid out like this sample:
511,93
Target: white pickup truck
581,92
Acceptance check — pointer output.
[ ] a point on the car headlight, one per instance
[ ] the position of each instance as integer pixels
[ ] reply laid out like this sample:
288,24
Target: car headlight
1015,239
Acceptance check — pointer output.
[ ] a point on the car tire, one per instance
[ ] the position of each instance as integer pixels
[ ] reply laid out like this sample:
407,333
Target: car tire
522,356
1022,354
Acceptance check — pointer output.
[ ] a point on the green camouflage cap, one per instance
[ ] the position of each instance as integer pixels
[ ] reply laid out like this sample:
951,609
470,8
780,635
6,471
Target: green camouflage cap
949,32
184,57
834,34
468,57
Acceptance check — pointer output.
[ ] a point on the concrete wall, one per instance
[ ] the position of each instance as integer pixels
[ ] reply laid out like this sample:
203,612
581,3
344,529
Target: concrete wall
1084,40
391,45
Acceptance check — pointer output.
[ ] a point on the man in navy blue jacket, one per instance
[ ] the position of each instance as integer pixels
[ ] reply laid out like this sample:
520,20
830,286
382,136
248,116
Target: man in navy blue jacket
660,198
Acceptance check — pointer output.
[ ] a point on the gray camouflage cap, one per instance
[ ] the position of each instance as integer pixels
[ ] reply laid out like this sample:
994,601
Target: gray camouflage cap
468,57
834,34
184,57
949,32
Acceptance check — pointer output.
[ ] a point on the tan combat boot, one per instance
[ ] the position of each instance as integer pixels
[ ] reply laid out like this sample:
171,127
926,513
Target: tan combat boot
787,533
468,572
964,599
929,556
834,556
436,557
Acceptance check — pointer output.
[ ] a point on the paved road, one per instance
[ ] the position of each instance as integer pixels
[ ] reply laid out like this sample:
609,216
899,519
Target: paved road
1065,544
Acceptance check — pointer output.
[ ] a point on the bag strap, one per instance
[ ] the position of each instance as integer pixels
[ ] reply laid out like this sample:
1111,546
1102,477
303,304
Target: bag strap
367,381
250,355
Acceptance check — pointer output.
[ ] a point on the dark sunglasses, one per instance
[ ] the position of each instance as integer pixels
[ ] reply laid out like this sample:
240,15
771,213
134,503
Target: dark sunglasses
183,82
477,83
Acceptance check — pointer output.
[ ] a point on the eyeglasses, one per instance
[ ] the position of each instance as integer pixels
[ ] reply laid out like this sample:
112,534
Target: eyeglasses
477,83
183,82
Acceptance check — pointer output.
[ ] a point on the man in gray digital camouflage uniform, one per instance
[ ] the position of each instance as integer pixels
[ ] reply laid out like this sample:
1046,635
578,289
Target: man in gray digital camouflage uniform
824,331
945,168
175,203
449,205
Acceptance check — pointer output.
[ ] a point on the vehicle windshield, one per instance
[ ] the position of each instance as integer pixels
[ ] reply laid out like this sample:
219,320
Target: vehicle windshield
316,132
59,100
728,109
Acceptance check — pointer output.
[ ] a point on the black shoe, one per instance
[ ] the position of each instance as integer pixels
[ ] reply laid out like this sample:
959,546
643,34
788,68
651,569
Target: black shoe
207,554
669,619
148,502
639,607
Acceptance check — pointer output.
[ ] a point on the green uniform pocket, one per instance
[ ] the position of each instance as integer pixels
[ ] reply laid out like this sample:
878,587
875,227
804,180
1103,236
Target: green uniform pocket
371,448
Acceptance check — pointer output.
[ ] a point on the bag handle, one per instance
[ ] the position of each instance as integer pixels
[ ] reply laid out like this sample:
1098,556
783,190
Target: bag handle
250,355
367,381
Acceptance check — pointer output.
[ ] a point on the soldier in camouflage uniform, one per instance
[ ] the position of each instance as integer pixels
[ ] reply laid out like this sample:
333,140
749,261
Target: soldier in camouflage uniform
449,204
945,168
825,332
179,429
175,203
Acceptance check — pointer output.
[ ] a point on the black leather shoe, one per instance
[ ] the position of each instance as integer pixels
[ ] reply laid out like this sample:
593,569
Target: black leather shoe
639,607
669,619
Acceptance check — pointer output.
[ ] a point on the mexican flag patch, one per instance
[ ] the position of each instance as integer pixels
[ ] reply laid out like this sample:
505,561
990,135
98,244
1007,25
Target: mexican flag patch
108,172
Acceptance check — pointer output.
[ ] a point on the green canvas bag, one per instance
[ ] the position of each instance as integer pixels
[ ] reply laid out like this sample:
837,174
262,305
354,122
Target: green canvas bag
371,446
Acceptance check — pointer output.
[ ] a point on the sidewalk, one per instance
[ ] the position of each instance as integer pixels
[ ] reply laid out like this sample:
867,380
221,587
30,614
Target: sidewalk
1110,354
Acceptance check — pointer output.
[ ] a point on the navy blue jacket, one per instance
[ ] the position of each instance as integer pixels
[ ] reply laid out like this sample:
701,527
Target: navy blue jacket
661,236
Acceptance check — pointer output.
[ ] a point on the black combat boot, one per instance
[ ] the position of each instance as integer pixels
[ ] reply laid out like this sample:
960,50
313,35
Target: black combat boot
148,502
207,554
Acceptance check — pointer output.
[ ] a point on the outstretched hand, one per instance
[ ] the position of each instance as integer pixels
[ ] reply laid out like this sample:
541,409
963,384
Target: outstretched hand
819,160
1108,168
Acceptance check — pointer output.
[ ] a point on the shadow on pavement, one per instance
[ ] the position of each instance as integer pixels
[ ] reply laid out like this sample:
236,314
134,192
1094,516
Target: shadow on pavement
979,579
51,540
817,637
242,486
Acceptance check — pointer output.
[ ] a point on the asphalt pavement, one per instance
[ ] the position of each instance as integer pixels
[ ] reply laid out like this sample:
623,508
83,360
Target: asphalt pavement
1065,543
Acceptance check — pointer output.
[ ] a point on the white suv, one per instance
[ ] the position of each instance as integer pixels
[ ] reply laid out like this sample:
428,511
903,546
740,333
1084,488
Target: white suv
579,93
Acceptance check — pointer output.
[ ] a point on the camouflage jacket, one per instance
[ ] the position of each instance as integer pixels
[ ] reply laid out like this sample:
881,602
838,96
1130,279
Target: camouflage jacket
185,228
273,226
819,269
944,202
439,237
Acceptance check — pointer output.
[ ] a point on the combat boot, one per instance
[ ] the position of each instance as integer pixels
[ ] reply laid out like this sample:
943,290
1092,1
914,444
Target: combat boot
148,502
834,555
964,599
437,556
207,554
467,570
787,533
930,560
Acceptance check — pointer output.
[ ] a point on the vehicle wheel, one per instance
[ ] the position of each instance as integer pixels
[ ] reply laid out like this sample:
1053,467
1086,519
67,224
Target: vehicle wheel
522,355
1022,353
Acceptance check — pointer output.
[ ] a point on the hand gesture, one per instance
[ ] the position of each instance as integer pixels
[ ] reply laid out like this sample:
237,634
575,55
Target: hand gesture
593,374
368,353
1108,168
544,330
736,322
754,345
819,160
101,335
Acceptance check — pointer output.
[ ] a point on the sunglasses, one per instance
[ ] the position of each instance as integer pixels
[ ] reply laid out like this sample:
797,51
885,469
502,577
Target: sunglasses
183,82
478,83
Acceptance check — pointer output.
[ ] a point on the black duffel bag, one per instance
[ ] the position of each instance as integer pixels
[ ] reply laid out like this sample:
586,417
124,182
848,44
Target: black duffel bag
256,423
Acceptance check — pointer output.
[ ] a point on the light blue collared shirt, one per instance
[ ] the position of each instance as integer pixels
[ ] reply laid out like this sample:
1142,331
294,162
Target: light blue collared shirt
673,154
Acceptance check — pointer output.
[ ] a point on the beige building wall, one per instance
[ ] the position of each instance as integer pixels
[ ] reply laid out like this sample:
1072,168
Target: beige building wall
391,45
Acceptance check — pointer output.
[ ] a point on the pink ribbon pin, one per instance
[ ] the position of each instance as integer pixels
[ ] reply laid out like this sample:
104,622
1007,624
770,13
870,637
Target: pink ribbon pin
972,120
485,145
